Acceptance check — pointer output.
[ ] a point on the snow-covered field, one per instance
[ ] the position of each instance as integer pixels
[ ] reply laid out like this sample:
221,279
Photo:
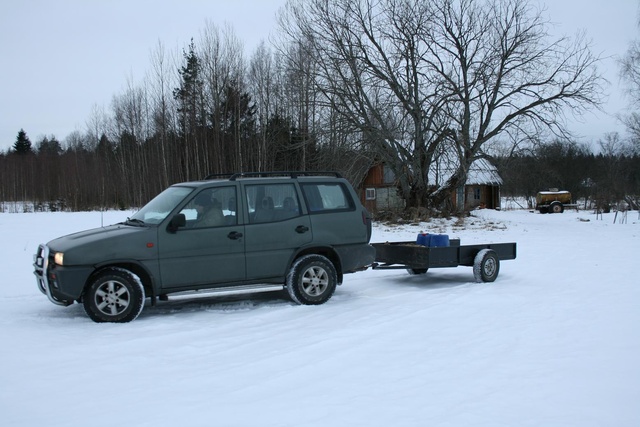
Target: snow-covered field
555,341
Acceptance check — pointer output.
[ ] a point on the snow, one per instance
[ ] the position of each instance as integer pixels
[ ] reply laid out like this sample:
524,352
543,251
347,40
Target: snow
554,341
553,192
481,172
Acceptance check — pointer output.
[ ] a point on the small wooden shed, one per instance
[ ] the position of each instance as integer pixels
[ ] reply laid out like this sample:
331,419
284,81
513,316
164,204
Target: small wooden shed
482,189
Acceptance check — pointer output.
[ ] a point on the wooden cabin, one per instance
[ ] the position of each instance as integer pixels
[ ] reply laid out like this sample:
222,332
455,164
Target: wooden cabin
379,191
482,189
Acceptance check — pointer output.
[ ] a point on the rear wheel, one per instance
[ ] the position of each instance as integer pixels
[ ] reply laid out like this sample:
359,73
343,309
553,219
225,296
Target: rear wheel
115,295
486,266
312,280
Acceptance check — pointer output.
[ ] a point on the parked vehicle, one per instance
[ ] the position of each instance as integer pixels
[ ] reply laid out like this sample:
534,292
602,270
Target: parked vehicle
243,233
554,201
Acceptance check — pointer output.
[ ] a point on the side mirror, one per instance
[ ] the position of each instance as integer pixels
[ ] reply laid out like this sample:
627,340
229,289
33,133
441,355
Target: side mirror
176,222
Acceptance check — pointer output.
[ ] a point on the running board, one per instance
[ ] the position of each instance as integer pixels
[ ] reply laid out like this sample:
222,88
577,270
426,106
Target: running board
229,290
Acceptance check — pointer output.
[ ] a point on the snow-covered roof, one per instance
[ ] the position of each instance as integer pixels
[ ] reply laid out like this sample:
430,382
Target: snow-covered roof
481,172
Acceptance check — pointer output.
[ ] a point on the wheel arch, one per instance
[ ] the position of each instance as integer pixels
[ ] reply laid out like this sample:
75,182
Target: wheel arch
327,252
135,267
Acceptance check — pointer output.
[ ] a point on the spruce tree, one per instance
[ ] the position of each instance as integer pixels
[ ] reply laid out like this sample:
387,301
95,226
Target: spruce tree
22,144
49,147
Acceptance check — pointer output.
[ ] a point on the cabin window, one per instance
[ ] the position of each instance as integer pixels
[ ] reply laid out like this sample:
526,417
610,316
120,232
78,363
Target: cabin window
476,193
370,194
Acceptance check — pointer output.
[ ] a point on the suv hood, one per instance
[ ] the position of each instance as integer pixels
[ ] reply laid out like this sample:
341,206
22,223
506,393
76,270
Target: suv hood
107,243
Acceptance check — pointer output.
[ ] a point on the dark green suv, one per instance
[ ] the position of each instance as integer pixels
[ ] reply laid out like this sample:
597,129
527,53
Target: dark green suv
249,232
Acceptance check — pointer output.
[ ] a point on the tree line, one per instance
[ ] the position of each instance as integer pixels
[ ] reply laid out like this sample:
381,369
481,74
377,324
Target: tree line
347,83
606,179
210,114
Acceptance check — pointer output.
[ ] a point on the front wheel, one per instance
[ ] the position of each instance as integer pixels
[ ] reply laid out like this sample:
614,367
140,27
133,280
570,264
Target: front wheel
115,295
312,280
486,266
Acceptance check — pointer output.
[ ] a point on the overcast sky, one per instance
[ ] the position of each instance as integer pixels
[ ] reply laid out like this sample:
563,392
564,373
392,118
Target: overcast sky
60,58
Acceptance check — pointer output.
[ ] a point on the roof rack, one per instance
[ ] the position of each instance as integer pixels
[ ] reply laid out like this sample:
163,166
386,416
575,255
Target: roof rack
218,175
292,174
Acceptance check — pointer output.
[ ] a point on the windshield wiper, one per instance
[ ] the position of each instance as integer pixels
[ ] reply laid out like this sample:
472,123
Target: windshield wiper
135,222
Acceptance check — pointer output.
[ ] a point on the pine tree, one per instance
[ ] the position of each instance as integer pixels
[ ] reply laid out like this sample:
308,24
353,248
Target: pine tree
191,117
49,147
22,144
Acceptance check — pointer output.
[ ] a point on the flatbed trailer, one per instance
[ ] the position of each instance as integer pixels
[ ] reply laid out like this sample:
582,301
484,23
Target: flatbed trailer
417,259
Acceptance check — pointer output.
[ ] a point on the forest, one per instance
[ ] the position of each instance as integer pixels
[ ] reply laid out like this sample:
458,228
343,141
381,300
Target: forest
346,85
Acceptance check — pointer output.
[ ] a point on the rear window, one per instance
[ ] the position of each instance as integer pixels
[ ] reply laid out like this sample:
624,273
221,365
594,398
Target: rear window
324,197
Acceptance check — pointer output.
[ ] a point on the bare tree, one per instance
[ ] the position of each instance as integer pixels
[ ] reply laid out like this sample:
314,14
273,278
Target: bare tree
630,73
301,93
418,78
97,125
162,111
222,66
262,84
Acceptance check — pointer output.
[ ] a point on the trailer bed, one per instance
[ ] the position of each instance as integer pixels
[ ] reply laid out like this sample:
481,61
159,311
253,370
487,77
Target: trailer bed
412,256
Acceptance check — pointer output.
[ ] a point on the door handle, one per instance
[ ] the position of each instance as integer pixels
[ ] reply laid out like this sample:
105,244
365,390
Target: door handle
234,235
302,229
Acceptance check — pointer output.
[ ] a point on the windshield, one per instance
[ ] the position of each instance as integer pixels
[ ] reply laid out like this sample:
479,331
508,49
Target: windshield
157,209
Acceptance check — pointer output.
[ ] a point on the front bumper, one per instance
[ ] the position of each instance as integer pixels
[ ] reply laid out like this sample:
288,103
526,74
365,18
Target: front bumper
41,270
62,285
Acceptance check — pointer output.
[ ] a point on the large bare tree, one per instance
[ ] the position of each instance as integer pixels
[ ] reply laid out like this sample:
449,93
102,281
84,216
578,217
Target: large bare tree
422,79
630,73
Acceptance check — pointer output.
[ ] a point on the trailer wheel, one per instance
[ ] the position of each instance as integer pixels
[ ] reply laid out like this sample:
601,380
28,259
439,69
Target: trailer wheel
486,266
556,207
414,271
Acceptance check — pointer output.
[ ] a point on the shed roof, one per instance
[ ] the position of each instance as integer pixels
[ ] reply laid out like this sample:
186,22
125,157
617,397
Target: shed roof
481,172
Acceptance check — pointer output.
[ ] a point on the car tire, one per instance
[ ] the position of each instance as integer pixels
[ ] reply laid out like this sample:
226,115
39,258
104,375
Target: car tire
311,280
486,266
115,295
414,271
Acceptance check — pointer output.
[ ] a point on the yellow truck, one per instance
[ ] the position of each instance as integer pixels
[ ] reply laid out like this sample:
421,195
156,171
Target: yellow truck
554,201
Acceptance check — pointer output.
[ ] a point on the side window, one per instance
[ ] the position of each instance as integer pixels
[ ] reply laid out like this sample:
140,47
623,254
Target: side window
212,207
323,197
272,202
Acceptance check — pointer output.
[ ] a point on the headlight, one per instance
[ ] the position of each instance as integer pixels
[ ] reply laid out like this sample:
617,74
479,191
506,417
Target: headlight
58,258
